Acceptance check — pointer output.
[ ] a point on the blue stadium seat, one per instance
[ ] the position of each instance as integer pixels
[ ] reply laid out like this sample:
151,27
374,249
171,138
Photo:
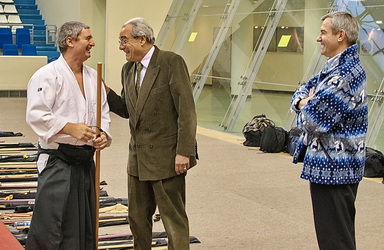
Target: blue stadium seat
28,50
4,30
5,36
22,30
22,38
10,50
51,55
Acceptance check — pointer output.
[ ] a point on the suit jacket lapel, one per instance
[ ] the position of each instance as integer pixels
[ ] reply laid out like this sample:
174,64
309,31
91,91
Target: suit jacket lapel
130,91
147,84
131,85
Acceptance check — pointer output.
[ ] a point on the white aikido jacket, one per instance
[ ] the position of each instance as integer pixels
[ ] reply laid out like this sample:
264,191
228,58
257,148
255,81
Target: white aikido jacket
55,99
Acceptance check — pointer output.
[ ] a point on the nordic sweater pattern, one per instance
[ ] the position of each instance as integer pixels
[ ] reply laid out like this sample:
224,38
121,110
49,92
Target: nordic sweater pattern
338,116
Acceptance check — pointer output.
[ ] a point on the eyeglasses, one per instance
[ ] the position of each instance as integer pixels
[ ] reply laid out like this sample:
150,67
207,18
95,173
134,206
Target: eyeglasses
124,40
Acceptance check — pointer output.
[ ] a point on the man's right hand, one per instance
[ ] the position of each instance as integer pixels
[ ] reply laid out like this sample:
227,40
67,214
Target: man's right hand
304,101
80,131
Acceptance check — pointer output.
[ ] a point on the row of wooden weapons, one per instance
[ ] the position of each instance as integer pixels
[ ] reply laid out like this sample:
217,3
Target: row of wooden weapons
18,183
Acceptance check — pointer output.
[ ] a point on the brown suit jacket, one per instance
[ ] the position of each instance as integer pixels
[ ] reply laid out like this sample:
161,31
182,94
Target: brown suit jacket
162,118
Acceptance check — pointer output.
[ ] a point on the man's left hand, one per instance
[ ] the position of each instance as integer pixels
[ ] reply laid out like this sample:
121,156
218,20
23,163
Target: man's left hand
100,142
181,164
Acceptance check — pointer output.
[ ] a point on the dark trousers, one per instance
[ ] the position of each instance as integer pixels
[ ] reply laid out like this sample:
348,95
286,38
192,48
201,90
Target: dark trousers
169,196
334,215
64,212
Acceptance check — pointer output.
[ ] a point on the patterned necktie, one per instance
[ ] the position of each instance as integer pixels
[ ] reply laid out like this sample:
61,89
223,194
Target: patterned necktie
139,66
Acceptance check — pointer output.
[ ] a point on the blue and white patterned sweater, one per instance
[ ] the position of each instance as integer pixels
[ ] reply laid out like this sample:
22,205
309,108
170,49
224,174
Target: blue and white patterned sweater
338,116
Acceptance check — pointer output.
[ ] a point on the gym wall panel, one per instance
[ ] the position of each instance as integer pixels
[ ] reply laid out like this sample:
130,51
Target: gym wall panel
15,71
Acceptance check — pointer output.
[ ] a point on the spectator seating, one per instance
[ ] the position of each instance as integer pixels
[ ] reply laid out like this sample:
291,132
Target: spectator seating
10,50
10,9
5,36
23,31
28,50
23,36
3,18
5,30
19,14
14,19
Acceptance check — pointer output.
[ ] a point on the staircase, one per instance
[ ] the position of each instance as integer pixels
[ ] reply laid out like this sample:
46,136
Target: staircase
30,16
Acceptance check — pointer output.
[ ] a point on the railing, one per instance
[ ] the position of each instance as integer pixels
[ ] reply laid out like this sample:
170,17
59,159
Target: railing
51,31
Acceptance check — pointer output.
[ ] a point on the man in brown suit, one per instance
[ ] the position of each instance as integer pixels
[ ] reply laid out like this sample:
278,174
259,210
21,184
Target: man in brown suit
157,98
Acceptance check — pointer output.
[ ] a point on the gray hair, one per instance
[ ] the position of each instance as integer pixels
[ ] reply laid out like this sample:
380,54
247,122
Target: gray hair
140,27
69,29
344,21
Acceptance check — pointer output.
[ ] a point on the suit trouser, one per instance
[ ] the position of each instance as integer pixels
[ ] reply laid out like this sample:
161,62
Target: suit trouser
334,215
169,196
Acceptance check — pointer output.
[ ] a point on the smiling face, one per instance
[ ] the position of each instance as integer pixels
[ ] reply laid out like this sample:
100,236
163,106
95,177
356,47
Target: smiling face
83,44
331,44
132,46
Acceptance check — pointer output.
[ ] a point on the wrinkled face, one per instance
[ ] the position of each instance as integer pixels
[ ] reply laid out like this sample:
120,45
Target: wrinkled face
84,44
130,45
329,42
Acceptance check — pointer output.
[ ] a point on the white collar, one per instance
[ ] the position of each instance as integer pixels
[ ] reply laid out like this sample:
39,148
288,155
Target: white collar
147,58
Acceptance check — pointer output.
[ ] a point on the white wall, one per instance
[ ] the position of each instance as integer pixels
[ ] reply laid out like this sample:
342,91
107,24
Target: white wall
16,71
57,12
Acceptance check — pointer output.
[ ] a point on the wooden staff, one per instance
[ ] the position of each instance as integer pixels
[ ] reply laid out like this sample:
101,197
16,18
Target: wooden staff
97,161
2,151
16,176
17,163
17,170
16,150
18,145
18,185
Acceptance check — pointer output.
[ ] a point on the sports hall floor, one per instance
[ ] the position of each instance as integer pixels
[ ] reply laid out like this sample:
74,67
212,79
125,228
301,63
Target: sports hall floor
237,197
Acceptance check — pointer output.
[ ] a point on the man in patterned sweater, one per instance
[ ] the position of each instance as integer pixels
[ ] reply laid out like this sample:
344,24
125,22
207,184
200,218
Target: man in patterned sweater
333,116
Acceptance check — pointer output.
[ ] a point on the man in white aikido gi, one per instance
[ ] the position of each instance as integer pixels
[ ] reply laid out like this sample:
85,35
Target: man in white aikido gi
61,109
